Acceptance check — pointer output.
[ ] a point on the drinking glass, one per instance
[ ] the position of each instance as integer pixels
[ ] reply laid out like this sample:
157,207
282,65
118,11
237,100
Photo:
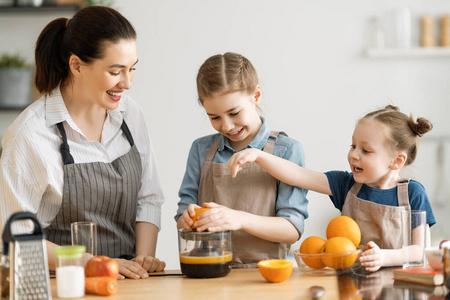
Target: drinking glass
85,234
414,224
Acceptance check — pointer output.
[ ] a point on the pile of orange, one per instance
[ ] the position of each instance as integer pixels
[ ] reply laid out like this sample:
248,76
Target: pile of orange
343,235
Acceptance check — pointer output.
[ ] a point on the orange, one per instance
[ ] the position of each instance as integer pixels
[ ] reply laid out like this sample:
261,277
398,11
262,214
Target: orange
345,227
275,270
339,246
312,245
198,211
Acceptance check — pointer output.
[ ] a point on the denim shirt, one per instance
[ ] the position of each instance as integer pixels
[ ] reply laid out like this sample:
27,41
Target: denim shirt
291,201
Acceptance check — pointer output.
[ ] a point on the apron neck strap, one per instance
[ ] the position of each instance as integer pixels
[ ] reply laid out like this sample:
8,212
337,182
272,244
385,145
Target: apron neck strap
355,188
268,146
127,133
402,192
65,149
212,150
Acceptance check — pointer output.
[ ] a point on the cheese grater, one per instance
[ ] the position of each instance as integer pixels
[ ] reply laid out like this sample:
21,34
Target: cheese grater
25,256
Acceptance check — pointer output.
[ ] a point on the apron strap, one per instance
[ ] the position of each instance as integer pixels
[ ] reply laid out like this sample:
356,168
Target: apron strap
268,147
402,192
64,148
127,132
355,188
270,144
212,150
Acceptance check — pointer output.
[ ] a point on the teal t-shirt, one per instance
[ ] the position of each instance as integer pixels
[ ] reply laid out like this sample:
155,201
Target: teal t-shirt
342,181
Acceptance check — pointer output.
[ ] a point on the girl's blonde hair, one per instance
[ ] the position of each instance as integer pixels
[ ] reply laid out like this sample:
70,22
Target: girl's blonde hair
223,74
404,131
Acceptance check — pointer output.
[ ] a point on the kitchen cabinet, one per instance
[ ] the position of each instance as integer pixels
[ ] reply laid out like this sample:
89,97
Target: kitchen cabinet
38,9
24,13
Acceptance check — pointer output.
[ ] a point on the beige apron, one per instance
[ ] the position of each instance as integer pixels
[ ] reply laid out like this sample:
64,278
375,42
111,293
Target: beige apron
253,191
379,223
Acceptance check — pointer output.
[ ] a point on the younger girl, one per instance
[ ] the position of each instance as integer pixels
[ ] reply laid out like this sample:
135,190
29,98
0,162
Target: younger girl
263,213
383,142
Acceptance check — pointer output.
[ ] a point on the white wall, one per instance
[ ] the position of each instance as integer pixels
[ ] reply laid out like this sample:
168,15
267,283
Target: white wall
316,82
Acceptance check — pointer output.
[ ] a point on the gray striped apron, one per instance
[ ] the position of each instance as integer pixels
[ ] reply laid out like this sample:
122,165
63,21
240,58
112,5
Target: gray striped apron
379,223
254,191
103,193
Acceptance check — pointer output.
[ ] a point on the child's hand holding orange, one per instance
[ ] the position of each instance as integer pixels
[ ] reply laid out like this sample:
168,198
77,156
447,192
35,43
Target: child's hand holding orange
198,211
185,220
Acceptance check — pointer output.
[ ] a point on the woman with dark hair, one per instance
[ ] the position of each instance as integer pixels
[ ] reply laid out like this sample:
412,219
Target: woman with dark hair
82,151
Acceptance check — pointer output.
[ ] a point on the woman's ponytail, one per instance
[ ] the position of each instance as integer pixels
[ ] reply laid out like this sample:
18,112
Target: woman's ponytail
51,58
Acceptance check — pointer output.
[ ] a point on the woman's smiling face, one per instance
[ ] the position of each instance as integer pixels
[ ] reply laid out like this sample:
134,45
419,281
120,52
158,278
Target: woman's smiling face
105,79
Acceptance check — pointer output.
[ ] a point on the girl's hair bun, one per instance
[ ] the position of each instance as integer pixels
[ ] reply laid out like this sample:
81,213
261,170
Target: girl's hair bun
421,127
392,107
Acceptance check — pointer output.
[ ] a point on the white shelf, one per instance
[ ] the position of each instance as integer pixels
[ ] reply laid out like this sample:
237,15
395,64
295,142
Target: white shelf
416,52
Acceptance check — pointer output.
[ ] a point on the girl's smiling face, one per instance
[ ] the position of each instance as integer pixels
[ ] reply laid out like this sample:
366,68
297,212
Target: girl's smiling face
371,161
105,79
235,116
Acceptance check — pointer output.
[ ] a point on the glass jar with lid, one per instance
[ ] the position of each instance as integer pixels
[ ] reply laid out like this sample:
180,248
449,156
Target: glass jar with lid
70,271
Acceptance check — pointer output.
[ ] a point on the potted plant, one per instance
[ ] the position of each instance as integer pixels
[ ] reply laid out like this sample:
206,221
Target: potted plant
15,81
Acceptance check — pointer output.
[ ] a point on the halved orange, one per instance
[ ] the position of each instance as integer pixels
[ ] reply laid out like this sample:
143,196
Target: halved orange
275,270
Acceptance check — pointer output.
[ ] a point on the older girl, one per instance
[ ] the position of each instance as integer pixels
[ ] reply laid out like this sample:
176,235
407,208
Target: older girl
264,214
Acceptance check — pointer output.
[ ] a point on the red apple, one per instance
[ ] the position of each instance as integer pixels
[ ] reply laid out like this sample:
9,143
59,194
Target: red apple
102,265
445,243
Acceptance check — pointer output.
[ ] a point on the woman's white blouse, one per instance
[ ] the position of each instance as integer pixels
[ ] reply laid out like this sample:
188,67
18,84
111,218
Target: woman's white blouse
31,176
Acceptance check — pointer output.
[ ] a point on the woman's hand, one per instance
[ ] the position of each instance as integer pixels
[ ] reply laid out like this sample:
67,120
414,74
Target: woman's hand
242,157
371,258
130,269
219,218
149,263
185,220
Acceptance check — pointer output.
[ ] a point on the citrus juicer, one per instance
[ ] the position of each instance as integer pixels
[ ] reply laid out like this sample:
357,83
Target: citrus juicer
205,254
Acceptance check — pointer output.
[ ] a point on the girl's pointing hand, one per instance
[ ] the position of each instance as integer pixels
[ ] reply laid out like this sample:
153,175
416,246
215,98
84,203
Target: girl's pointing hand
246,156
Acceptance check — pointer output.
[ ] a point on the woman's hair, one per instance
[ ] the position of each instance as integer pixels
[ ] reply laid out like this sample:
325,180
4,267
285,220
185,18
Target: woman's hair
223,74
404,132
85,35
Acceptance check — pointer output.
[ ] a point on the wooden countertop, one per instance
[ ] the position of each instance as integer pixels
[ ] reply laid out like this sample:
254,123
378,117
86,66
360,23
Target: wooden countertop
238,284
249,284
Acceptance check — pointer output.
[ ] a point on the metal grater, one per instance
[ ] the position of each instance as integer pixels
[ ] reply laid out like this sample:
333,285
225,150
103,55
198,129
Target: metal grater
26,257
